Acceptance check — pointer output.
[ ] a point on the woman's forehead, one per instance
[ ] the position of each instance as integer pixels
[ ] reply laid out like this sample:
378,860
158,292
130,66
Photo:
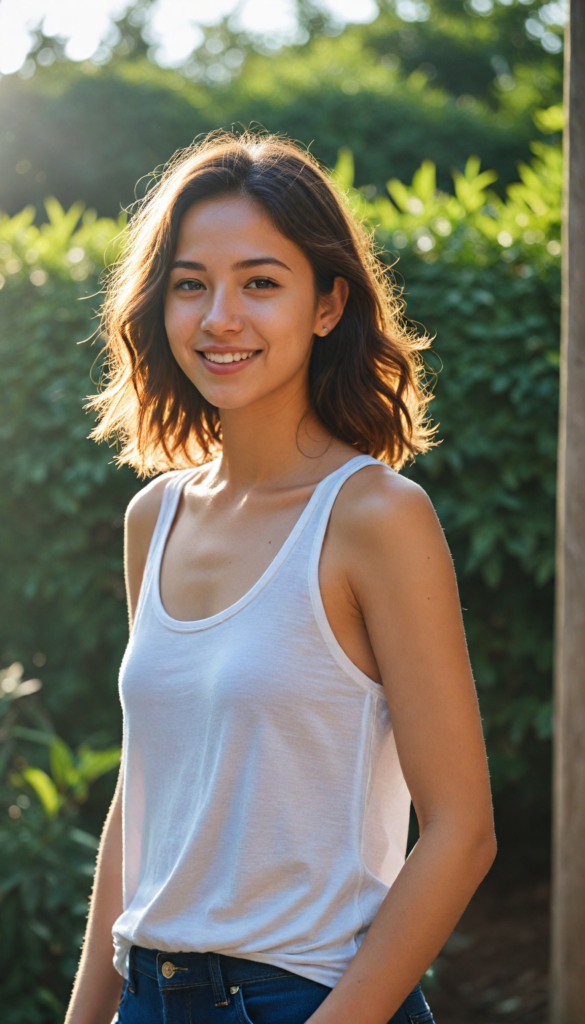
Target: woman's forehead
228,223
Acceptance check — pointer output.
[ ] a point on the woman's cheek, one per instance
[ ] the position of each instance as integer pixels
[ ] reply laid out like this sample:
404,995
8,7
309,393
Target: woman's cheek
288,323
179,324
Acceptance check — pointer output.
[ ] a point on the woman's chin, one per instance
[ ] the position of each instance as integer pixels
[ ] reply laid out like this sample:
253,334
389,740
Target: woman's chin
228,393
227,396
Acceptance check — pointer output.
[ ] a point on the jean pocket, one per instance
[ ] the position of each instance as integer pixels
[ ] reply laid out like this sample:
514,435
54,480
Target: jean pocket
241,1008
123,997
425,1017
284,1000
416,1009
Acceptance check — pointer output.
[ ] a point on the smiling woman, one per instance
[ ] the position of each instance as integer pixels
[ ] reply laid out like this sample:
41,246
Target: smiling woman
296,670
223,318
364,380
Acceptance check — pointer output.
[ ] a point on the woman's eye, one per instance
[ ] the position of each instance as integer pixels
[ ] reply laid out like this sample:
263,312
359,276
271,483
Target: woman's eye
262,283
190,286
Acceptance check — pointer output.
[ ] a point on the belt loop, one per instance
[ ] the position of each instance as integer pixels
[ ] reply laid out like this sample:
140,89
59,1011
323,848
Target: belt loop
219,993
131,971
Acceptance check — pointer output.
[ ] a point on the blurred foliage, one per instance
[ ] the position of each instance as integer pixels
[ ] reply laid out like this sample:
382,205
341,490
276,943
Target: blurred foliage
47,856
395,91
479,259
61,499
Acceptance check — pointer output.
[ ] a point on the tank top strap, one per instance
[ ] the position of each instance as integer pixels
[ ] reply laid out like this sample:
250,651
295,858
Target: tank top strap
331,488
328,498
175,482
310,528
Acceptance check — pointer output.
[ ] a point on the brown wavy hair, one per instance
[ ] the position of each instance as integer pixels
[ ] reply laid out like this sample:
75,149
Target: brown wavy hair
366,378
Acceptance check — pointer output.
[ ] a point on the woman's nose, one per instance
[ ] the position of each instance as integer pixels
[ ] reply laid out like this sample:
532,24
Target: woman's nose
221,315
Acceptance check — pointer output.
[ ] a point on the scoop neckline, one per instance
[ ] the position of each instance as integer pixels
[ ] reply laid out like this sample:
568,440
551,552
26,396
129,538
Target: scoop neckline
196,625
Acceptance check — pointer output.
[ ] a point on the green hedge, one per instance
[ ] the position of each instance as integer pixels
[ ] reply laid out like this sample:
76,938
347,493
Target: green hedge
61,604
61,501
480,273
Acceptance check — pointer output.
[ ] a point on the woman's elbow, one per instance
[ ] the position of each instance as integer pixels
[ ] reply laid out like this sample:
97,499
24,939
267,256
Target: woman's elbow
484,850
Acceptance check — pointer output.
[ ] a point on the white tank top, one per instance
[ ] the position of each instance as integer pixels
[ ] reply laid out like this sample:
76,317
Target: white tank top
265,813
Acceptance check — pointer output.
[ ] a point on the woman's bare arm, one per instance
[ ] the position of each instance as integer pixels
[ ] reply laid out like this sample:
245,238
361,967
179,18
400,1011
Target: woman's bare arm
399,573
97,988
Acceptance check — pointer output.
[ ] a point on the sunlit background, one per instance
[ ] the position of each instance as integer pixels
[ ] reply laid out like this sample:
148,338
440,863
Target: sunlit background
174,27
441,122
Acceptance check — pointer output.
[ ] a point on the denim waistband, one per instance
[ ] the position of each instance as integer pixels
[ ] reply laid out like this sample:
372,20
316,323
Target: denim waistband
190,970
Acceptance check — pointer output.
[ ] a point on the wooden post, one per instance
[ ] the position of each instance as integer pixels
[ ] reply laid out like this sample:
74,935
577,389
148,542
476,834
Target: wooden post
568,901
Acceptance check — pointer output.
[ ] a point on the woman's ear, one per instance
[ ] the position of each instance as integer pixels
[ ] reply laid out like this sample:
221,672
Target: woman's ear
330,307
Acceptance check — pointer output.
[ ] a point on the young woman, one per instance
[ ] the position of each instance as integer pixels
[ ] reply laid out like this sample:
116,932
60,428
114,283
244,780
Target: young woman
297,668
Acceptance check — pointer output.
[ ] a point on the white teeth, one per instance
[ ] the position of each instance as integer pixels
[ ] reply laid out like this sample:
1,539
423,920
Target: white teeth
226,357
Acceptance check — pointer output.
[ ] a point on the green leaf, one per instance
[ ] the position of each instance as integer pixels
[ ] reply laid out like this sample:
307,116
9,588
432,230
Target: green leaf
50,999
91,764
41,930
551,119
344,171
33,735
45,789
87,869
84,838
424,181
63,767
62,223
399,193
472,168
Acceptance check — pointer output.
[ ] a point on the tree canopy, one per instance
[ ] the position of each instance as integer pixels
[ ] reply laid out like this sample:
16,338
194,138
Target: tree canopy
395,91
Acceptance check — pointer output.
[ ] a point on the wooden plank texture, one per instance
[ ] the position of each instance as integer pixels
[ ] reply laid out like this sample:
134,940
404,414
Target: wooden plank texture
568,902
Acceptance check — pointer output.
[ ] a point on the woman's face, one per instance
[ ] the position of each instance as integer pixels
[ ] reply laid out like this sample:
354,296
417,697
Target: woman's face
240,305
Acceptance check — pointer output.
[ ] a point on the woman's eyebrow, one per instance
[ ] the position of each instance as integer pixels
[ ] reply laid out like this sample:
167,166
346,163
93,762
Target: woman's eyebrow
262,260
187,265
240,265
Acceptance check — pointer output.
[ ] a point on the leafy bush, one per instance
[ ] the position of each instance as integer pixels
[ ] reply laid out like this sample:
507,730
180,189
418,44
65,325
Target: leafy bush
48,855
61,500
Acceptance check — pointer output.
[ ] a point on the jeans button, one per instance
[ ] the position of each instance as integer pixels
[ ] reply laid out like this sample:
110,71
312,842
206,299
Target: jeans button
234,989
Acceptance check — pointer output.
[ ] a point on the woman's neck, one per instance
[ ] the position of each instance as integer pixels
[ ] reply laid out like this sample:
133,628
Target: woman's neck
277,441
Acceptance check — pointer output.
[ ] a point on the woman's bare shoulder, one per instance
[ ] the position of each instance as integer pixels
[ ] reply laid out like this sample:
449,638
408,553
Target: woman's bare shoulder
141,516
143,509
377,502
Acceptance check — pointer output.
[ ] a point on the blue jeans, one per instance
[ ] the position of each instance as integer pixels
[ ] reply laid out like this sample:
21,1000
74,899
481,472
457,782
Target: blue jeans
209,988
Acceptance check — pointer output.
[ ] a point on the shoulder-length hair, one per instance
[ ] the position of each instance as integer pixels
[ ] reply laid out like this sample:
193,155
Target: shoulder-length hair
366,378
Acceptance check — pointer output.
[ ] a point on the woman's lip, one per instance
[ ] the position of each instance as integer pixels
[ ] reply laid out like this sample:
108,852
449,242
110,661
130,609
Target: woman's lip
221,369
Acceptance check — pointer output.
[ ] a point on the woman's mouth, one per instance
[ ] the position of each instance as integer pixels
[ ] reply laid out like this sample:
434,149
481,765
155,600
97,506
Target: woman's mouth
227,362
